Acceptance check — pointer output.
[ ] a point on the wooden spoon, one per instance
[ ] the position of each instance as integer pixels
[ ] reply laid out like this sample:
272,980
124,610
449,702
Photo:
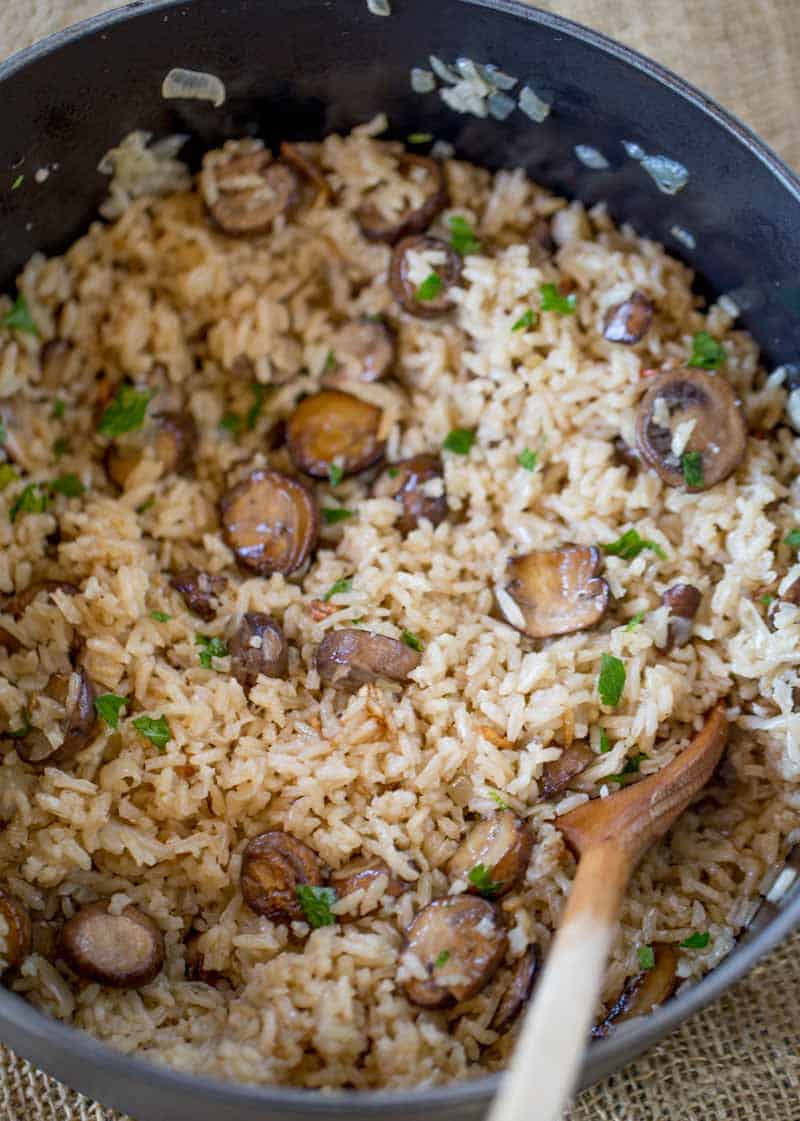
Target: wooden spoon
610,836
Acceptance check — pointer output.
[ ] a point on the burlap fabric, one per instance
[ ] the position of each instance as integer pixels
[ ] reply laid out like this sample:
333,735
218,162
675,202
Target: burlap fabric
740,1059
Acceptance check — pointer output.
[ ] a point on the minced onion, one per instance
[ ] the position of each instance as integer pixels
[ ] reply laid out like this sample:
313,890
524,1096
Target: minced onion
501,106
465,98
532,105
634,150
497,78
667,174
422,81
193,84
379,7
591,157
443,71
684,236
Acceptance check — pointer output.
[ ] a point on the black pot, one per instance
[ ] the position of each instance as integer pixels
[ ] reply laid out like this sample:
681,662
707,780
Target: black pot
302,68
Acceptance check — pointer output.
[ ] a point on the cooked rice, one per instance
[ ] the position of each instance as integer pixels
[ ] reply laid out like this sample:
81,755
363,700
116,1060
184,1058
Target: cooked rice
159,296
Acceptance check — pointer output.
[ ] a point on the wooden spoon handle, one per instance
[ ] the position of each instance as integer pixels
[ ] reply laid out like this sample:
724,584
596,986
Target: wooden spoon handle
548,1053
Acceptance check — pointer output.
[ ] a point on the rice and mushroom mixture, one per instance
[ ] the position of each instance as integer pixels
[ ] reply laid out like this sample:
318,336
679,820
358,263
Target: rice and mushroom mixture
294,644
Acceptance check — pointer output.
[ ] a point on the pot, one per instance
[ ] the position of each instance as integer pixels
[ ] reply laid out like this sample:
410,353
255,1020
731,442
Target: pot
301,69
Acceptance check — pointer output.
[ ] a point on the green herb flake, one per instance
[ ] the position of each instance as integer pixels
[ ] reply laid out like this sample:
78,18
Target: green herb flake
692,468
605,746
58,409
154,728
7,475
339,588
528,459
441,959
332,515
32,500
646,956
108,707
611,681
148,504
707,353
3,433
411,640
696,941
20,317
635,621
459,441
552,300
316,903
527,319
767,600
25,727
497,798
481,879
69,485
631,768
420,137
211,646
259,393
462,236
160,616
792,539
393,472
126,412
430,288
232,422
60,446
335,474
630,544
15,186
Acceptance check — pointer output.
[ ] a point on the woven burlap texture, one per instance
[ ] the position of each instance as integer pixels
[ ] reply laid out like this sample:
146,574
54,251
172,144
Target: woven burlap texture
740,1059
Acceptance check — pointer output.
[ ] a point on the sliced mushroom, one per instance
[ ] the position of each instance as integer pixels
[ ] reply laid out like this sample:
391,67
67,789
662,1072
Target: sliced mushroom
501,845
15,942
625,455
172,439
629,321
363,350
645,991
540,241
703,402
350,657
18,604
306,168
376,227
244,190
274,865
415,261
556,591
124,951
418,485
332,428
683,600
459,941
518,991
792,594
75,693
200,591
360,875
559,773
271,522
195,966
258,646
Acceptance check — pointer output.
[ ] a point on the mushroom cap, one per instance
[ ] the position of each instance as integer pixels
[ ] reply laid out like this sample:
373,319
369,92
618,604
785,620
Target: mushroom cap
502,844
377,228
629,321
199,590
645,991
557,591
124,951
271,522
76,693
405,291
559,773
274,865
243,189
258,647
350,657
407,486
18,936
334,428
364,350
517,993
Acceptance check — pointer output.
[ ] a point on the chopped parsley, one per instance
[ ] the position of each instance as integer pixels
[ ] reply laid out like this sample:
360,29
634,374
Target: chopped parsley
459,441
528,459
552,300
335,474
393,472
160,616
441,959
792,539
154,728
108,707
330,362
692,468
635,621
411,640
259,392
126,412
232,423
60,446
630,544
497,797
339,588
3,433
462,236
316,903
646,956
7,475
58,409
420,137
430,287
15,186
332,515
696,941
480,878
707,353
148,504
20,317
69,485
211,646
766,600
527,319
605,746
32,500
630,768
18,733
611,681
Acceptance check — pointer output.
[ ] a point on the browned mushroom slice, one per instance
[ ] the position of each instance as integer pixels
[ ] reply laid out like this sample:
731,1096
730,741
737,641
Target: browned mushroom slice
75,693
295,157
500,846
645,991
271,522
792,594
625,455
683,600
629,321
418,484
274,865
360,875
15,941
54,359
351,657
17,605
363,350
332,428
200,591
421,274
559,773
195,966
172,438
540,241
700,411
243,189
423,171
556,591
518,991
459,942
124,951
258,646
